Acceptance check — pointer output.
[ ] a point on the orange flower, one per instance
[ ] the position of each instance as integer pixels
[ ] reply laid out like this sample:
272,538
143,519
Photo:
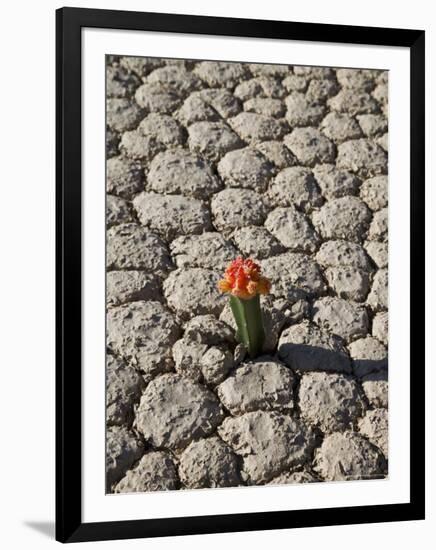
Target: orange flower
242,278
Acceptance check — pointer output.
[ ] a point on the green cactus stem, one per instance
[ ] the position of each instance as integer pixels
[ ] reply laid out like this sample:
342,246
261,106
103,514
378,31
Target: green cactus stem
248,317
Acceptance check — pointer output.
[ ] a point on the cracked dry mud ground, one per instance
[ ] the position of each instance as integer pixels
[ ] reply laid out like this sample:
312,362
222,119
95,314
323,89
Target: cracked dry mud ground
287,165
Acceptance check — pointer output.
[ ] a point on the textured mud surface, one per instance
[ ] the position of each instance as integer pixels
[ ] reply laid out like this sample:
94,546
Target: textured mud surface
287,165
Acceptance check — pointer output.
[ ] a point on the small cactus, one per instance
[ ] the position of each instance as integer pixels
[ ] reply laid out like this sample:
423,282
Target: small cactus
243,281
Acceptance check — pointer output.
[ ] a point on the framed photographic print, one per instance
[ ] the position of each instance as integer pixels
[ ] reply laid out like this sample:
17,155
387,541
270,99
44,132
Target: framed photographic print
240,250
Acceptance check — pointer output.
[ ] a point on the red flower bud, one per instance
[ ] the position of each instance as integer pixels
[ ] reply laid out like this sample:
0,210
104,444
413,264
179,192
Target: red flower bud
242,278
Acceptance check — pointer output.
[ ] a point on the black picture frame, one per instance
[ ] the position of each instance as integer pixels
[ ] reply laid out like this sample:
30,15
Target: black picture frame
69,525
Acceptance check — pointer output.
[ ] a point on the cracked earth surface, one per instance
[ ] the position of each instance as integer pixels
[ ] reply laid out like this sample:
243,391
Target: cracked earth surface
287,165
